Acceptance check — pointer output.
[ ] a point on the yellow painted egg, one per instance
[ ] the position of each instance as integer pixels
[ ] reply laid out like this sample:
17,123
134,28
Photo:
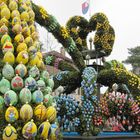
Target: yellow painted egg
39,54
11,114
40,112
24,24
17,29
23,7
13,5
19,38
16,20
2,5
44,130
9,58
26,112
9,133
21,47
32,50
5,12
31,15
32,28
29,41
34,60
26,31
3,29
7,47
5,38
4,21
24,16
51,114
29,130
15,13
35,36
40,64
22,57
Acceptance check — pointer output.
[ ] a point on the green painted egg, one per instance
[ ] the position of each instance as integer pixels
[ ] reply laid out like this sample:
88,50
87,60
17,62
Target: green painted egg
47,90
10,97
4,85
45,75
34,72
41,84
48,100
21,70
51,83
8,71
37,96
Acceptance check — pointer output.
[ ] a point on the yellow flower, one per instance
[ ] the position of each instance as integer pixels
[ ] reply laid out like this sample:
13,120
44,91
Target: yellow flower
79,41
64,32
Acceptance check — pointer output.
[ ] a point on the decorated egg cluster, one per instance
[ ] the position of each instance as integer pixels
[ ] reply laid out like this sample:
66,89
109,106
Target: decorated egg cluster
68,113
27,108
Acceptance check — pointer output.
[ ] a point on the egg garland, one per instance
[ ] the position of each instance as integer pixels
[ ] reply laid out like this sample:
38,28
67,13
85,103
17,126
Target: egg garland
9,133
21,70
11,114
40,112
26,112
34,72
51,114
17,83
10,97
8,71
29,130
25,95
4,85
30,82
44,130
37,96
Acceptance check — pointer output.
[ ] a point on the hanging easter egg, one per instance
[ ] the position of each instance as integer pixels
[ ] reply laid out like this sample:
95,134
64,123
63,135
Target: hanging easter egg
55,131
3,29
40,64
26,112
26,31
5,38
32,28
44,130
45,75
48,100
35,36
1,104
5,12
16,20
21,47
34,72
15,13
24,24
17,83
31,15
17,29
8,71
10,97
7,47
39,54
47,90
4,21
23,7
24,16
22,57
9,133
51,114
40,112
19,38
4,85
30,82
29,130
21,70
37,96
51,83
13,5
29,41
32,50
11,114
9,58
37,45
41,84
2,4
25,95
34,60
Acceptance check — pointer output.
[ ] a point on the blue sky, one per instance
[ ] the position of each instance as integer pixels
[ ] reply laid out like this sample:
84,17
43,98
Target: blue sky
122,14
